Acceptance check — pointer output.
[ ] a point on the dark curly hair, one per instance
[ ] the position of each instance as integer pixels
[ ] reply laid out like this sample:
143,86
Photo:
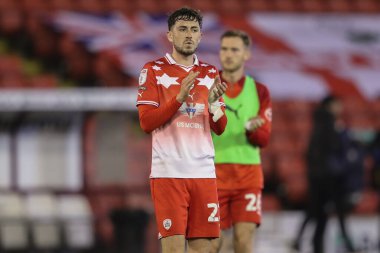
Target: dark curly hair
186,14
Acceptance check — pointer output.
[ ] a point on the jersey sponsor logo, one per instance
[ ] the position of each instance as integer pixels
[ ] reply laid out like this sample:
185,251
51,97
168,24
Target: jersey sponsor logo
268,114
192,110
190,125
142,77
167,223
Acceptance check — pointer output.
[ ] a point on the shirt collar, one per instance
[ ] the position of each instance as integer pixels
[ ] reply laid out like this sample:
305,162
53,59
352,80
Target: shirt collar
171,60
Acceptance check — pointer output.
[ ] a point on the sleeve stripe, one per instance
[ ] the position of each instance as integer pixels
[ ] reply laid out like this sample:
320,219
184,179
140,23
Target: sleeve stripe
144,102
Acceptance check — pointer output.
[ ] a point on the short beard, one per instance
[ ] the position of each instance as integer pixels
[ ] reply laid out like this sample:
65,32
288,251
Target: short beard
183,52
232,70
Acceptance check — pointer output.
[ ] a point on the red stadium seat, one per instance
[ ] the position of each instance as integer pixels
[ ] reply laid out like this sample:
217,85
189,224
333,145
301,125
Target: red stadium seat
270,202
286,5
295,189
314,6
149,6
341,6
369,203
11,20
11,64
44,81
101,205
267,163
92,6
128,8
369,6
169,6
109,71
230,7
63,5
13,81
290,166
258,5
375,105
203,5
34,6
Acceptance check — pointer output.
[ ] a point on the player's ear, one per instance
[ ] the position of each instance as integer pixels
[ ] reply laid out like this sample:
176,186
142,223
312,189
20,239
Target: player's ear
247,54
169,34
200,37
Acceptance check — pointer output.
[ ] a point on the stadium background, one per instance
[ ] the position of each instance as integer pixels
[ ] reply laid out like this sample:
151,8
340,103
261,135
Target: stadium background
74,163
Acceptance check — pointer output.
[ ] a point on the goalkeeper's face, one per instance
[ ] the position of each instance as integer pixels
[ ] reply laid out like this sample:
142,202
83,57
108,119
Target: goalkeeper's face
233,54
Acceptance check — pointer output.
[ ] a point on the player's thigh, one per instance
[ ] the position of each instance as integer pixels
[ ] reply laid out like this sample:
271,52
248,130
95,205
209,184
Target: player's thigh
173,244
244,231
200,245
246,206
171,202
227,245
204,219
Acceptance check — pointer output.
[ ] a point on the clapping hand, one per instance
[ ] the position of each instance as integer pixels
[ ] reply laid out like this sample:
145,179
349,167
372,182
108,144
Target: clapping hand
216,90
186,85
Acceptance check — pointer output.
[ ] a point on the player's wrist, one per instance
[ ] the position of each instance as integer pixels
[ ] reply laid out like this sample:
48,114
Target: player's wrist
180,98
216,111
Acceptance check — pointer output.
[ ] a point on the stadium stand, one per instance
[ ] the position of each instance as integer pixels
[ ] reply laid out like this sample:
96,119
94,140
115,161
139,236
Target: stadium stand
14,232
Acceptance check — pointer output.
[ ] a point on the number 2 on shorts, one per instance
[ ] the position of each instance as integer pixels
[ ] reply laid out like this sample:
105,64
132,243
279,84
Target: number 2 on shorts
213,217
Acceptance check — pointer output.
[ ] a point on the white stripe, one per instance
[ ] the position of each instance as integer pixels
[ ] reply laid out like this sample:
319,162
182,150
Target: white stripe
144,102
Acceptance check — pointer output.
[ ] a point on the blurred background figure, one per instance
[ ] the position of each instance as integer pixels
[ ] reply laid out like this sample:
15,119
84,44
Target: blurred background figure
335,173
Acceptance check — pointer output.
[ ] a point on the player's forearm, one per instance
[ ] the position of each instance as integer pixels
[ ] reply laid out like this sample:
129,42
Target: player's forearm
218,126
152,118
259,138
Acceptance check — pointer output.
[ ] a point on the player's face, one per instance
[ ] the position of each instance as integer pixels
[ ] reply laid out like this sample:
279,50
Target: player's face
185,36
233,54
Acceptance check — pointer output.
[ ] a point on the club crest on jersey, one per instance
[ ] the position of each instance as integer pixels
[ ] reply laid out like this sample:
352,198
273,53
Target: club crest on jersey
191,109
142,78
167,223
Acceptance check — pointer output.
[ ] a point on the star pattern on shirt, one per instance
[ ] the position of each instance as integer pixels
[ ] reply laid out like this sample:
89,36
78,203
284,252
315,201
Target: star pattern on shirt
159,62
155,67
166,80
212,71
206,81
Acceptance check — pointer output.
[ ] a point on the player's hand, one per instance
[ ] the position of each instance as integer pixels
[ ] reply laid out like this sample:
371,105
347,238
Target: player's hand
186,85
216,90
254,123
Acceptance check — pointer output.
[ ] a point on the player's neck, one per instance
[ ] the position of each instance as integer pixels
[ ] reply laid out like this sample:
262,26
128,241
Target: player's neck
186,60
233,77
